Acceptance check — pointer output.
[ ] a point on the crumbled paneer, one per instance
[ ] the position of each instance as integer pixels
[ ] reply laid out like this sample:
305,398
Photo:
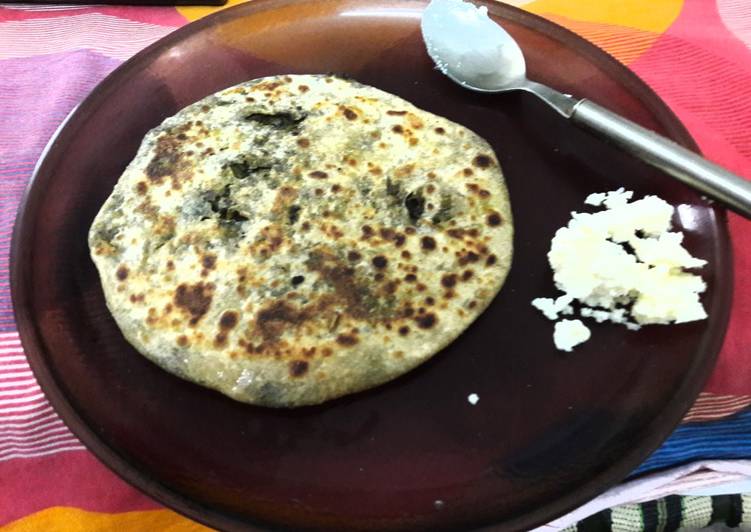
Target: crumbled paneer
552,307
623,264
570,333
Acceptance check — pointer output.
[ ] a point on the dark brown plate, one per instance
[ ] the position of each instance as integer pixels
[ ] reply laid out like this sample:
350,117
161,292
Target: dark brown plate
550,430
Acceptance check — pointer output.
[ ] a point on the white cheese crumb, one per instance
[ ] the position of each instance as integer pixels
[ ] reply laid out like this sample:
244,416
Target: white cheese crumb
552,307
570,333
665,250
473,398
616,197
623,255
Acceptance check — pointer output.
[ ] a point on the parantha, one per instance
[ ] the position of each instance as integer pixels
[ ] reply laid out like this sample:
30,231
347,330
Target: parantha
293,239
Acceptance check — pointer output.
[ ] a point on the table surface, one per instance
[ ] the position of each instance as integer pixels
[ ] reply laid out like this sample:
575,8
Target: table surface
696,54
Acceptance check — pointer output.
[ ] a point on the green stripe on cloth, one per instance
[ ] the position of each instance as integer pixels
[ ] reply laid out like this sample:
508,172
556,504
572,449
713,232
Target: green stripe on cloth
662,515
746,511
670,514
697,511
627,518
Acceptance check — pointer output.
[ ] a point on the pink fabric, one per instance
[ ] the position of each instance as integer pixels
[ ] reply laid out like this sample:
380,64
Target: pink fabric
50,58
703,72
85,484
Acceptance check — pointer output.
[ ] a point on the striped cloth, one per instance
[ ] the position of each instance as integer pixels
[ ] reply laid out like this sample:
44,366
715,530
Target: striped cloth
671,513
28,425
695,53
728,439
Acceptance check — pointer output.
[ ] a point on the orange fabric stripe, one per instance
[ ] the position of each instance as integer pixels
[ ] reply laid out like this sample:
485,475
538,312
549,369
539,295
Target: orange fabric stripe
654,16
623,43
66,519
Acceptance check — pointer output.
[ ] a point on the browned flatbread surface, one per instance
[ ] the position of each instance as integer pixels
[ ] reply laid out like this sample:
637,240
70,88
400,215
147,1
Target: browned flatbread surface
297,238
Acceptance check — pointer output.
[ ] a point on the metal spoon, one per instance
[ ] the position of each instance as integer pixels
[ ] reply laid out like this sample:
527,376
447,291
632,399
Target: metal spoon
478,54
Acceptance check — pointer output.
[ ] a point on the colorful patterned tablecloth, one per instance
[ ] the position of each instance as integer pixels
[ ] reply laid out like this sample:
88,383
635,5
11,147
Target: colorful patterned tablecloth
696,54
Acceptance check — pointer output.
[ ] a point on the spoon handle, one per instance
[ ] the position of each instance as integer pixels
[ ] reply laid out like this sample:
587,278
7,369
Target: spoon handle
683,164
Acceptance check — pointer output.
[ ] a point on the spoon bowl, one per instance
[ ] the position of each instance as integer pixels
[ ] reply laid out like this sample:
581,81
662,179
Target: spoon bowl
475,52
470,48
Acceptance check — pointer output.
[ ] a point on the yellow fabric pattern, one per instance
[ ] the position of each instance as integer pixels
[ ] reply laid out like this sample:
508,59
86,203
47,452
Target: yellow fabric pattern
624,29
65,519
192,13
648,15
625,44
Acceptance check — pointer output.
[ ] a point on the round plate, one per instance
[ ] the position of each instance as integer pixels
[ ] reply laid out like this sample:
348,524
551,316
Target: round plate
550,431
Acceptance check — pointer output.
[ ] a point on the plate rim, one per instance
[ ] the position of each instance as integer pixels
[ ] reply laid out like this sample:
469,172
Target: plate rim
31,340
